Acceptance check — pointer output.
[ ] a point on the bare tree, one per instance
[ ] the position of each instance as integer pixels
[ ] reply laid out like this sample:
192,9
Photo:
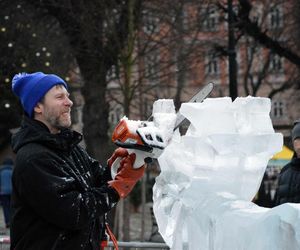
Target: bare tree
92,29
165,51
252,29
264,37
154,62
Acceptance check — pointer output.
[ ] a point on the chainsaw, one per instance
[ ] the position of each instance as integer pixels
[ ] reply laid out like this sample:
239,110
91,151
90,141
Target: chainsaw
148,139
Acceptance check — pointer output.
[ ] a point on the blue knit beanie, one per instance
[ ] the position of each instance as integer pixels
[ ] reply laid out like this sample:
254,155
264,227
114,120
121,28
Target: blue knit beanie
31,88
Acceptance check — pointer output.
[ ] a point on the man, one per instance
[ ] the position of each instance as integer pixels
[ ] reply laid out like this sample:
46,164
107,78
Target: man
289,178
60,194
5,188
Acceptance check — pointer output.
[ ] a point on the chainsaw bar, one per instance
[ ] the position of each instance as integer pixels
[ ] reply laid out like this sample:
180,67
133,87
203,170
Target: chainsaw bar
135,141
199,97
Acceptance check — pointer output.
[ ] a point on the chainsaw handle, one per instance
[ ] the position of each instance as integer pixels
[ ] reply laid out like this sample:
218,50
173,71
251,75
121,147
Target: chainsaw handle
114,167
139,161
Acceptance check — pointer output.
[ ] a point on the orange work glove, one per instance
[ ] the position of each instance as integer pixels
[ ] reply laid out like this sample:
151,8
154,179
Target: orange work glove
119,152
127,176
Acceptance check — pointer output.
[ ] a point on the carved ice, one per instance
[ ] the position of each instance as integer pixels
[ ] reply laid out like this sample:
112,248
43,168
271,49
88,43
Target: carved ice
202,198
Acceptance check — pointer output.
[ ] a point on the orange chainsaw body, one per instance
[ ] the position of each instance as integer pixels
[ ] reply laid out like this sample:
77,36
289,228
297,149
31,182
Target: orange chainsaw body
123,134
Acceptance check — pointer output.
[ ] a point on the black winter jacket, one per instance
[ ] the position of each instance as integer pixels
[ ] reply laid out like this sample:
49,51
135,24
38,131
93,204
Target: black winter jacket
289,183
60,194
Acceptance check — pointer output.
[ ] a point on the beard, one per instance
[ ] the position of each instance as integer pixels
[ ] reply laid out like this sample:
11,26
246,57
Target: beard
58,119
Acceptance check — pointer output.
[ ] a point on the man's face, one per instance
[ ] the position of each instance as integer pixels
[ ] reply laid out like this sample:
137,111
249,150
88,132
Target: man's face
296,144
55,109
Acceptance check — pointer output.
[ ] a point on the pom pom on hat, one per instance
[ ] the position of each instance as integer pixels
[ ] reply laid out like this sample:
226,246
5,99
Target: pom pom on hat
296,130
31,88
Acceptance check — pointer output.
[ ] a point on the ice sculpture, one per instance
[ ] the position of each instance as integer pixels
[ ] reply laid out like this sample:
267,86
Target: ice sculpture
202,198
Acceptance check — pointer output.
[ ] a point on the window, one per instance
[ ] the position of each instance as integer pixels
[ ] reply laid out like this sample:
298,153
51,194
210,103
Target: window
186,19
278,109
235,9
115,115
151,23
275,17
112,74
212,65
147,107
211,19
251,51
257,13
152,61
276,63
255,58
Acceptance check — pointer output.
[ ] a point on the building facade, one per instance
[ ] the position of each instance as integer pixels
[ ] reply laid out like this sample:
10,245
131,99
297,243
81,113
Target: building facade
180,49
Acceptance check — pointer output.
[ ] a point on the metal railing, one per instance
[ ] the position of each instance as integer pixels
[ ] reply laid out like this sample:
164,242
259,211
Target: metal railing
139,245
4,243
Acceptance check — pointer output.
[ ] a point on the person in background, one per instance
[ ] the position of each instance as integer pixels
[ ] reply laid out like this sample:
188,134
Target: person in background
5,188
288,189
60,194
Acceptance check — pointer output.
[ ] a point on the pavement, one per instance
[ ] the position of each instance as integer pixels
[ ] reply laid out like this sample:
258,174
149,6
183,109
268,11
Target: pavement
4,233
150,234
137,221
3,230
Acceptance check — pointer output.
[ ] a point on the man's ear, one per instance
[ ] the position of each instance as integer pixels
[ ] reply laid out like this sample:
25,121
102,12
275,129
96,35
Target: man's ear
38,108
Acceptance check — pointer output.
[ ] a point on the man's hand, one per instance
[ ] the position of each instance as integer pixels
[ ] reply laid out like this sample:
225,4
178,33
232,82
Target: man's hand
127,176
119,152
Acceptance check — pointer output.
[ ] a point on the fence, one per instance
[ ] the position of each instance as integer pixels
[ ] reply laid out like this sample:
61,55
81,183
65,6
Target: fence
139,245
5,245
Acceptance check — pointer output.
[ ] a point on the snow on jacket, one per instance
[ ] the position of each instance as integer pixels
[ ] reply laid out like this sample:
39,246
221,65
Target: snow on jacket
289,183
60,194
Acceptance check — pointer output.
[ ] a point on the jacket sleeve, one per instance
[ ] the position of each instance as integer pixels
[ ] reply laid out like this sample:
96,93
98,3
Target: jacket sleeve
283,184
56,196
102,174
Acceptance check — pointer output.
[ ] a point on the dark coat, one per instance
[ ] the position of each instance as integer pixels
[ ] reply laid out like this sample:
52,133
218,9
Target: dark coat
289,183
60,194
